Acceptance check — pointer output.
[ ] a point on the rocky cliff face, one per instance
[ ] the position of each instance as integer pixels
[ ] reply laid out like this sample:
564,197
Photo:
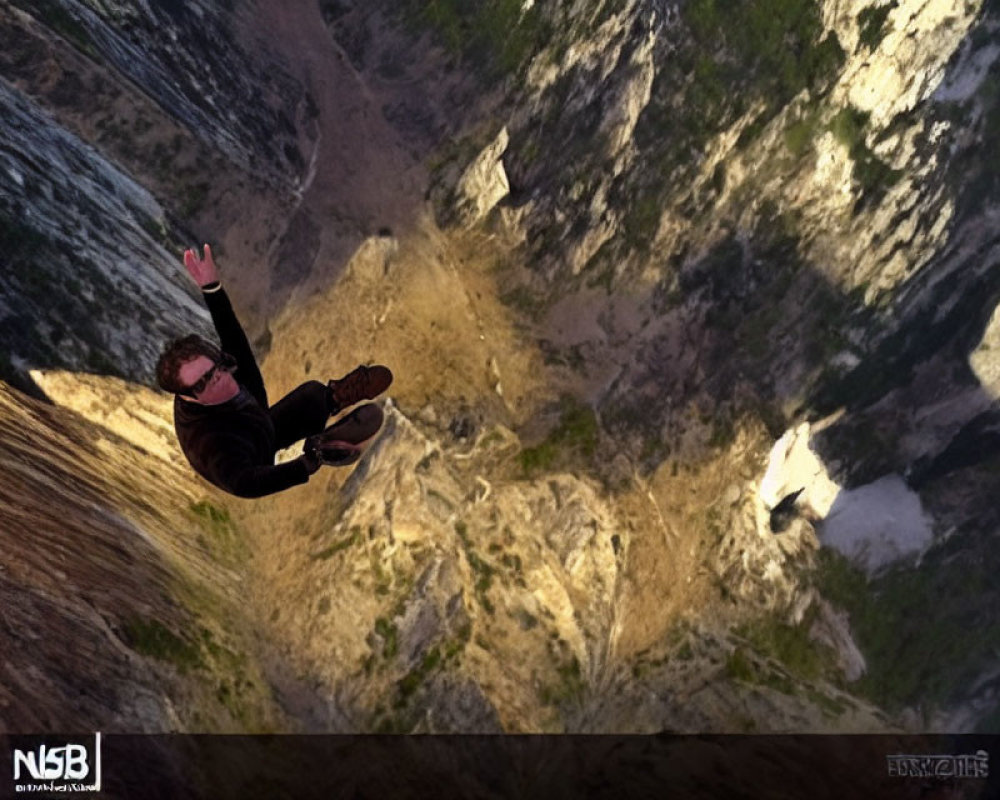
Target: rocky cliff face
642,271
121,579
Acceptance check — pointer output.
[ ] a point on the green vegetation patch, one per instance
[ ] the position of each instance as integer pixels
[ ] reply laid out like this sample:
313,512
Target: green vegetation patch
215,677
404,714
154,639
454,648
926,632
482,570
790,646
490,439
383,580
234,688
389,633
575,434
777,38
410,682
871,25
772,48
569,687
873,174
215,518
525,300
831,706
739,667
848,127
220,532
498,36
801,132
640,223
348,541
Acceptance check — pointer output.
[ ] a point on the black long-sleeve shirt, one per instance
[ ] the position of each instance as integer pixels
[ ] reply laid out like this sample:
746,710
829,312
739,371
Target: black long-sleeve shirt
232,444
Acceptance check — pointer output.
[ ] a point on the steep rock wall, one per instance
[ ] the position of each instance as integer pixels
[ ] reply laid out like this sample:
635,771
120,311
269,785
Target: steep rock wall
87,281
120,578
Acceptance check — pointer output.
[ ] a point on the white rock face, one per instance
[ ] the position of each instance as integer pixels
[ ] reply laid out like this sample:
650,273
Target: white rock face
908,65
620,120
792,466
873,525
984,360
599,53
967,80
618,125
517,577
484,183
878,523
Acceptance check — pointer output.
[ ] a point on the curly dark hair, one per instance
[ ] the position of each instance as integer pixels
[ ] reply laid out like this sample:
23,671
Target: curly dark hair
179,352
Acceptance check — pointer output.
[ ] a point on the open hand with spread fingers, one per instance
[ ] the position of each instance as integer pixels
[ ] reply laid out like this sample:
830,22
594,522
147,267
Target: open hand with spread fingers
201,270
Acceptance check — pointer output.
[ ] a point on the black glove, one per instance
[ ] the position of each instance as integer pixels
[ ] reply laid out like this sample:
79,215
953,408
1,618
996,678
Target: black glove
311,456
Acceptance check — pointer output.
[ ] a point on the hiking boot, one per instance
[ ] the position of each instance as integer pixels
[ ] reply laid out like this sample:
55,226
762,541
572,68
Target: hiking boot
357,427
339,454
331,452
363,383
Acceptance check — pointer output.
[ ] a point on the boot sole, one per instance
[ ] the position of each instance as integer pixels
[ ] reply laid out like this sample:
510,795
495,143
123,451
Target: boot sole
379,385
357,427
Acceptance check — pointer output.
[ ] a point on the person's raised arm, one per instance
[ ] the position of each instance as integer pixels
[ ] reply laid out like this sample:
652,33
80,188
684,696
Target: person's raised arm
231,336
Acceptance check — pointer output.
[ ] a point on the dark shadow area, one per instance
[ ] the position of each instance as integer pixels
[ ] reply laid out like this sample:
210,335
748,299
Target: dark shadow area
894,767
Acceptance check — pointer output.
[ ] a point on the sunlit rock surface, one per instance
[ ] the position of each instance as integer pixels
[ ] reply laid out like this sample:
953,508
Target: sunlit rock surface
120,581
484,183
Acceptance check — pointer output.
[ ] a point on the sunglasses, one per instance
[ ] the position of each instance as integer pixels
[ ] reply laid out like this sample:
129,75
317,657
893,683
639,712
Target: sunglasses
226,364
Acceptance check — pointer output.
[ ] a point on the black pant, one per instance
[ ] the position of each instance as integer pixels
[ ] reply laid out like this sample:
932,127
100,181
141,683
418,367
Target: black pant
300,413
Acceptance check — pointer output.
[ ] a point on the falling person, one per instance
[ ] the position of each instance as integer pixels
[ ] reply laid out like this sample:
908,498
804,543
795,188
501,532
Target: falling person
226,428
